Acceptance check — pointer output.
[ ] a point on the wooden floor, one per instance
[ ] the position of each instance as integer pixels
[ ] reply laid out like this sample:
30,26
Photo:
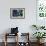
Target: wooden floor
13,44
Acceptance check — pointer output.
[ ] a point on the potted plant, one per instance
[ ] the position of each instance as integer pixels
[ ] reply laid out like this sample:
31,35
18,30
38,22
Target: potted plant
38,27
39,35
35,26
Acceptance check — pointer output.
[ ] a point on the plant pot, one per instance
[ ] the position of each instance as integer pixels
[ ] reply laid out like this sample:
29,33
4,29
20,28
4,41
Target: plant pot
40,41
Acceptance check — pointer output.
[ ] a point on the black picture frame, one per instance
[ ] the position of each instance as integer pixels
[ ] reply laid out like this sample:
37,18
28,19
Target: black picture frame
17,13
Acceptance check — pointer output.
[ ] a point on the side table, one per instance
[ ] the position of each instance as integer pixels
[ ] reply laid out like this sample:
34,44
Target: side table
8,34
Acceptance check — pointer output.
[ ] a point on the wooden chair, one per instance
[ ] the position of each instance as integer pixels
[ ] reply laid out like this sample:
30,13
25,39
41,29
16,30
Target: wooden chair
8,34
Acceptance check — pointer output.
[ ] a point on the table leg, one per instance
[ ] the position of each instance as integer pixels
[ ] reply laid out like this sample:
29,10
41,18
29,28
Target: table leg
5,40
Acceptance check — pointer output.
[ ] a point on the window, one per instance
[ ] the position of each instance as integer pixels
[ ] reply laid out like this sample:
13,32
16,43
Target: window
41,8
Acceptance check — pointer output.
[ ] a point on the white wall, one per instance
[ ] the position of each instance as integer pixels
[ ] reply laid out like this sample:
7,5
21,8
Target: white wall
23,24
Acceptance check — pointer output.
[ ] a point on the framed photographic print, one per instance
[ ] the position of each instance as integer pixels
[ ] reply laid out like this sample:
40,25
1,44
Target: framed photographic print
17,13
